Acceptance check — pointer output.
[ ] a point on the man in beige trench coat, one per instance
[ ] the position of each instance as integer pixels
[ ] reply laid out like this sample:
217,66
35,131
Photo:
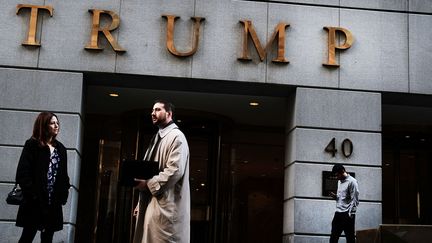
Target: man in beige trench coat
163,210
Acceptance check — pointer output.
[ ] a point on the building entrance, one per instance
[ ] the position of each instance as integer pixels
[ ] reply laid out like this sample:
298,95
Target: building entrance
236,178
407,159
236,173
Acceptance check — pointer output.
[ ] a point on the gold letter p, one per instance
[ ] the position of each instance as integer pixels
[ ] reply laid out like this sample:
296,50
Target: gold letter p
332,44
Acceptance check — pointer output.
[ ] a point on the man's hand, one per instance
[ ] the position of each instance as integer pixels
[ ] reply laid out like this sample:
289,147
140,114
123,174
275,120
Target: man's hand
332,194
141,184
135,212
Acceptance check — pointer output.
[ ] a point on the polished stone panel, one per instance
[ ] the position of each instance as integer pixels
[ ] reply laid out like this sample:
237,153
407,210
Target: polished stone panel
315,216
74,167
317,2
10,157
308,239
11,233
424,6
305,46
378,59
16,126
420,48
6,211
395,5
69,33
41,90
143,34
309,145
310,185
70,134
350,110
70,208
14,29
221,43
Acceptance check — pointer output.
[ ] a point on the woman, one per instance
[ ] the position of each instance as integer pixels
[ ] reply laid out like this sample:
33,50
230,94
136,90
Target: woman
43,178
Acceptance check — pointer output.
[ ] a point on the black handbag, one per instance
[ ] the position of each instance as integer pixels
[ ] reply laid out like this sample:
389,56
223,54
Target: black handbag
15,197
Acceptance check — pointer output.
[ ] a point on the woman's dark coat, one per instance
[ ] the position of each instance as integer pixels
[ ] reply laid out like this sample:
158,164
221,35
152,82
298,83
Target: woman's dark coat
32,177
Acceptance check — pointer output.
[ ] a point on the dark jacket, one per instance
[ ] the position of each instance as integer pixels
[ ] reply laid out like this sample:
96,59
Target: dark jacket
32,177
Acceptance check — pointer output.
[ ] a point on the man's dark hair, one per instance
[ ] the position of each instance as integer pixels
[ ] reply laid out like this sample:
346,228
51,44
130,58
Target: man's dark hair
168,106
338,168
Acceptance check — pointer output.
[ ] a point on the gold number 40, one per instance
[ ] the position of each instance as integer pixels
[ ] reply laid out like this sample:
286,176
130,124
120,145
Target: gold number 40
347,147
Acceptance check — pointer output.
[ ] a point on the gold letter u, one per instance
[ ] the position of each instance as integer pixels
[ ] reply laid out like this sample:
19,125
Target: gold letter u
170,35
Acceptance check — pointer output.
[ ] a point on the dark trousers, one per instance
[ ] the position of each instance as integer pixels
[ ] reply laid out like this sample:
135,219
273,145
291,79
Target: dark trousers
342,222
28,235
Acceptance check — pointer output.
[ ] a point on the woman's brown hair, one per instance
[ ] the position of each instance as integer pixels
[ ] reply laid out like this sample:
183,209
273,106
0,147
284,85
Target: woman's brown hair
41,128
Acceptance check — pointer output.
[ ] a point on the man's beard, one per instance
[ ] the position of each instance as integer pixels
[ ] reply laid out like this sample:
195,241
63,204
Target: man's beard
159,121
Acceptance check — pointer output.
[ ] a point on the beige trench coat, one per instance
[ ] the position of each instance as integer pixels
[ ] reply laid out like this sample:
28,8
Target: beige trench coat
164,213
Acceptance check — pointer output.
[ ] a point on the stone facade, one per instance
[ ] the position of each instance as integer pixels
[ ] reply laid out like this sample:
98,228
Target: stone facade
391,53
388,52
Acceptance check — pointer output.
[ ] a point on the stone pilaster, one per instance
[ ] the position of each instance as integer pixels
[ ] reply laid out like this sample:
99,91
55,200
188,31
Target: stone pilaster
316,116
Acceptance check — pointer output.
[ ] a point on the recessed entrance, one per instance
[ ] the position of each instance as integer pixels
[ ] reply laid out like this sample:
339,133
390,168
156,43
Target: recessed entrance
407,158
406,178
236,164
